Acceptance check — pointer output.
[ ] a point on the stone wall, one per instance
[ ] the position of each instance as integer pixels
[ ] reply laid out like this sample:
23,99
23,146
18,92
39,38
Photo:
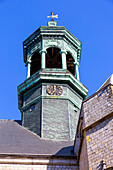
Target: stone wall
98,106
83,163
95,131
100,144
98,128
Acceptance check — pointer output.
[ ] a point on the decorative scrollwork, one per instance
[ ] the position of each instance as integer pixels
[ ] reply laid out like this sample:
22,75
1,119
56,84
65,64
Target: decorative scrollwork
52,42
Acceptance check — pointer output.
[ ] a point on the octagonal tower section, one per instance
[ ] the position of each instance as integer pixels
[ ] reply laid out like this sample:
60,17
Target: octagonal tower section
51,96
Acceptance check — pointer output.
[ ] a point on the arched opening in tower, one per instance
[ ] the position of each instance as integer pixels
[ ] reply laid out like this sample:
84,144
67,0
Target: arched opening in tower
70,63
35,63
53,58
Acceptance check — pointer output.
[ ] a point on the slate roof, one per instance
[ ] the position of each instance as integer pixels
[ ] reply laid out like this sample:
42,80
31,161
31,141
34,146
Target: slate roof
15,139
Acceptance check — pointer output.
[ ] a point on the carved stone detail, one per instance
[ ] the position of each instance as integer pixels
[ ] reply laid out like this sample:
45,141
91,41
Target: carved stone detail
32,49
78,55
70,49
52,42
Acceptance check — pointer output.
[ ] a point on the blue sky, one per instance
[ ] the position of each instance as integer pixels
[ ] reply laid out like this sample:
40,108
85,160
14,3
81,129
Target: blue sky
91,21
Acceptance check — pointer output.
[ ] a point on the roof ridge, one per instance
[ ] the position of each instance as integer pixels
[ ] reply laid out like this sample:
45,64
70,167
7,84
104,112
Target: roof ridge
98,91
107,82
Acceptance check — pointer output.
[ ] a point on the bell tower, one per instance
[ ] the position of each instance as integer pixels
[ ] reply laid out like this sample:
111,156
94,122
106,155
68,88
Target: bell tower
51,96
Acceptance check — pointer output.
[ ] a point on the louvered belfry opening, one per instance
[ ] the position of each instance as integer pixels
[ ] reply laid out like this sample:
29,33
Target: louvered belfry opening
35,63
70,63
53,58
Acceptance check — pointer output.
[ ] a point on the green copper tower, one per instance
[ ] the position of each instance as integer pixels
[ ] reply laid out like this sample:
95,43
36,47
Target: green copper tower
51,96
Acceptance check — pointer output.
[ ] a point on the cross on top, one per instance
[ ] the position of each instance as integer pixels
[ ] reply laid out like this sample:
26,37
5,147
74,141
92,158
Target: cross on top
52,16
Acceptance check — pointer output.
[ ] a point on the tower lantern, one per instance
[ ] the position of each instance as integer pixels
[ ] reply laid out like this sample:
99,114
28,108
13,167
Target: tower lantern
52,46
51,96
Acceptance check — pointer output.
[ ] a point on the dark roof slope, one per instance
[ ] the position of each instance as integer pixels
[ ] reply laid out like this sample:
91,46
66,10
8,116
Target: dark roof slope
15,139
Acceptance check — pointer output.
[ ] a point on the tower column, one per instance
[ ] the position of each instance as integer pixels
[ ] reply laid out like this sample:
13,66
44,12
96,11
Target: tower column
63,54
28,68
76,69
43,58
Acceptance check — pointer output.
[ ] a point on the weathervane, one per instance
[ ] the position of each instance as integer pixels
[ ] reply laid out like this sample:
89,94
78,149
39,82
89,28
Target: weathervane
52,16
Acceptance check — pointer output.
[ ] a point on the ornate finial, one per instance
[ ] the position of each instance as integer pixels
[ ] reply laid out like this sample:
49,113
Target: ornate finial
52,16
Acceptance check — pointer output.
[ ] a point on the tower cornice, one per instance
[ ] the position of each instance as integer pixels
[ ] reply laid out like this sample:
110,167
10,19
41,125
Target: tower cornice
47,32
51,75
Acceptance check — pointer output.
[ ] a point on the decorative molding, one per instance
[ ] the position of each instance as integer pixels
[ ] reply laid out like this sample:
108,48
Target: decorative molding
54,36
32,49
42,51
69,48
76,63
26,106
52,42
63,51
37,160
52,76
78,55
